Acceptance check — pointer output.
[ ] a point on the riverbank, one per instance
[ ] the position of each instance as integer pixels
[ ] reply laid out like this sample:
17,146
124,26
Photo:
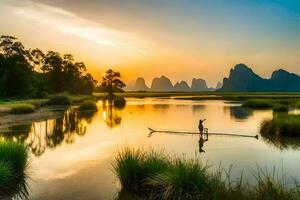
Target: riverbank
6,105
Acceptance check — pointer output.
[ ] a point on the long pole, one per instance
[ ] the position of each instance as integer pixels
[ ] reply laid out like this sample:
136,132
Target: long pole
197,133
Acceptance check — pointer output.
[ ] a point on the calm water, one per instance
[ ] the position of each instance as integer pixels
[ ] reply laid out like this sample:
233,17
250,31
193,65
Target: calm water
71,155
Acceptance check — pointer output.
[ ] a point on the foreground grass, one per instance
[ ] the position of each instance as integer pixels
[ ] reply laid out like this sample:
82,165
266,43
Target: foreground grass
281,125
13,164
154,175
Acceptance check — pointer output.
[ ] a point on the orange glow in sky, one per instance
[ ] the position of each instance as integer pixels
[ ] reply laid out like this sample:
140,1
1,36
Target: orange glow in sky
181,40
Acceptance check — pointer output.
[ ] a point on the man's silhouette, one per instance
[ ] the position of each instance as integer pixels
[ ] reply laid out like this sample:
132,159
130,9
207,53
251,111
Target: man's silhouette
202,131
200,126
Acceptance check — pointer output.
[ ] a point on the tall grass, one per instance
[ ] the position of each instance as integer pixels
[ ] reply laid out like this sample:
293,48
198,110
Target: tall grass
22,109
60,100
13,164
282,125
154,175
88,105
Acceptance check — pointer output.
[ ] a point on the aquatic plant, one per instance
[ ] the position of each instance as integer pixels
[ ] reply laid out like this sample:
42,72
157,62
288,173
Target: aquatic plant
22,109
88,105
60,100
155,175
281,125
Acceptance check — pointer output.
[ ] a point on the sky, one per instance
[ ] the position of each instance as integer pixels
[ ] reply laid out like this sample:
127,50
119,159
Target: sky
182,39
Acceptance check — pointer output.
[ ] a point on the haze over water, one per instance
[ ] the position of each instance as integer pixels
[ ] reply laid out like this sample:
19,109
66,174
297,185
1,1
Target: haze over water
79,149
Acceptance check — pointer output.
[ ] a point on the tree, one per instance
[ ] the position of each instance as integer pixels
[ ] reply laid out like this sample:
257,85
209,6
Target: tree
16,69
111,80
32,73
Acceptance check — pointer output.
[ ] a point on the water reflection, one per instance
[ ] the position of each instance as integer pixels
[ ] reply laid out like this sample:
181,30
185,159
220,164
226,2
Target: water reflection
50,133
238,112
282,143
198,108
111,114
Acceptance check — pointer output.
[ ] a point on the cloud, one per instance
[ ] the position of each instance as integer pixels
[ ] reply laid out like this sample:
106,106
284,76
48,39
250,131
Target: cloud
68,23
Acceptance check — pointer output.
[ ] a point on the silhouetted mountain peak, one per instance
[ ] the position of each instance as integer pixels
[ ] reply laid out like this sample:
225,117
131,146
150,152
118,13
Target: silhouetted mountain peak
140,84
181,86
242,78
161,84
199,85
241,70
282,73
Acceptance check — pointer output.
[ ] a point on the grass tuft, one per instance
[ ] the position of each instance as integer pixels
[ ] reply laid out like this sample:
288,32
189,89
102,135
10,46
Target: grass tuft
22,109
13,163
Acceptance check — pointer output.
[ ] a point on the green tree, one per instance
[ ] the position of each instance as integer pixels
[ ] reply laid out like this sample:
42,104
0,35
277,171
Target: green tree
16,69
111,80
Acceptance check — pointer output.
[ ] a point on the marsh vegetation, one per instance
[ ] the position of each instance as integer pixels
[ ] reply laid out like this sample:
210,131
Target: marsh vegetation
281,125
155,175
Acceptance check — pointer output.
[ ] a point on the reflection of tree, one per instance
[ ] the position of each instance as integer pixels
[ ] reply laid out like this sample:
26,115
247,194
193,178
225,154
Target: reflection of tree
50,133
282,143
240,113
198,108
111,114
163,108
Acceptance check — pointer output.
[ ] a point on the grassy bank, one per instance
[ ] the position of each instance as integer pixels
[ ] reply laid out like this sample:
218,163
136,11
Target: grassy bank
13,164
281,125
154,175
9,105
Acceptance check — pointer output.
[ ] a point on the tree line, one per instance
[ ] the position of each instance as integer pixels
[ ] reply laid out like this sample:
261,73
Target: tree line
33,73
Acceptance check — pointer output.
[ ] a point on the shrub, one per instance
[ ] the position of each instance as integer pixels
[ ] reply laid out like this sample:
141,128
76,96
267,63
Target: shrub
60,100
22,109
119,102
88,105
282,125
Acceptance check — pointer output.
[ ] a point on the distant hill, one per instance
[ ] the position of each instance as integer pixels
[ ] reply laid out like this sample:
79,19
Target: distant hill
199,85
182,86
140,85
163,84
242,79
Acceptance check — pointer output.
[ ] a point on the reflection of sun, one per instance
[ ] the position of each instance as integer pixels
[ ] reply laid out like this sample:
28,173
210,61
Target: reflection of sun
104,115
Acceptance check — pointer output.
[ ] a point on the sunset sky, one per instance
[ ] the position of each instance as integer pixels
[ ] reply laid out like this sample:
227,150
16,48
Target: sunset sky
181,39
